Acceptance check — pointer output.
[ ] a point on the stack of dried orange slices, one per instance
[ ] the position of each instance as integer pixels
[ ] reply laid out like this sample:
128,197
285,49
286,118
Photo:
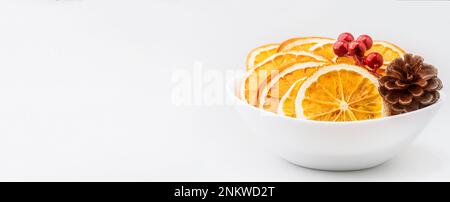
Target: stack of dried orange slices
304,78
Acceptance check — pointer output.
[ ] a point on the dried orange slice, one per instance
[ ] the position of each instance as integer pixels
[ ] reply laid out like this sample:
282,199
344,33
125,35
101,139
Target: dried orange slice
388,50
344,60
270,67
287,102
339,92
271,91
318,45
259,54
303,43
324,50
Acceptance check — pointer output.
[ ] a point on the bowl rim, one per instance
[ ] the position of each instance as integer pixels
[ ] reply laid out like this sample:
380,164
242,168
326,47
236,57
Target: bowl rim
234,82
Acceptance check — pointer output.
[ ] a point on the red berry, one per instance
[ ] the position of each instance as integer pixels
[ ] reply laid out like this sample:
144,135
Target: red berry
374,60
367,40
340,48
356,48
347,37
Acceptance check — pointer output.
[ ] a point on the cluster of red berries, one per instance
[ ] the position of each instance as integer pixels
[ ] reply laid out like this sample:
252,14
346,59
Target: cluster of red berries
346,45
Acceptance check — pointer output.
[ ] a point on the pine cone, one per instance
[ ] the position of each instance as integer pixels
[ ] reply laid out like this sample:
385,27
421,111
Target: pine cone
409,84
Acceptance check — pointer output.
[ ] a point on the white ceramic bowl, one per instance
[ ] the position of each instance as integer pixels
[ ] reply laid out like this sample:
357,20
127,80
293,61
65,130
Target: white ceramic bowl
337,146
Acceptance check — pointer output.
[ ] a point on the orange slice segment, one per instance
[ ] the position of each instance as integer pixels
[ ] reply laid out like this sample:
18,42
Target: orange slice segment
324,50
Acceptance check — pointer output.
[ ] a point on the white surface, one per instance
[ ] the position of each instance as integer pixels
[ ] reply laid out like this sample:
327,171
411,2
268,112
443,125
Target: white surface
85,86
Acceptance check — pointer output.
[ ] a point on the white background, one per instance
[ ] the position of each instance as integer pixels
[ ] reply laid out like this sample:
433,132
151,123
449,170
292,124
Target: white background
85,86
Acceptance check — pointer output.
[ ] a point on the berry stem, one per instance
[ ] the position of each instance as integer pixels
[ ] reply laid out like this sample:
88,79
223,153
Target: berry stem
359,60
